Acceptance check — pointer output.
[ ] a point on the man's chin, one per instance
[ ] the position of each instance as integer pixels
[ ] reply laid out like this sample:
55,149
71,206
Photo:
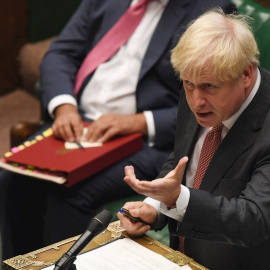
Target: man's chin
208,119
206,122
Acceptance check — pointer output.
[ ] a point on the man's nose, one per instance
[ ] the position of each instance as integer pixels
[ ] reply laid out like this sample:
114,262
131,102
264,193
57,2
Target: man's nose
198,98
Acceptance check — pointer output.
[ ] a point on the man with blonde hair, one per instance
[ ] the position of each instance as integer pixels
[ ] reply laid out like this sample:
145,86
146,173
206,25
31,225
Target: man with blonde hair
214,189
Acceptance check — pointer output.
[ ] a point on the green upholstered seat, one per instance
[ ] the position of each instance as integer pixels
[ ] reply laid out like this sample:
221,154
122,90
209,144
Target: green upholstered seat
261,26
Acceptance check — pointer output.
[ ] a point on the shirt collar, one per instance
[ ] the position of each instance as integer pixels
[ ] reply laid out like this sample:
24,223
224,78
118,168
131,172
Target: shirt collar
230,122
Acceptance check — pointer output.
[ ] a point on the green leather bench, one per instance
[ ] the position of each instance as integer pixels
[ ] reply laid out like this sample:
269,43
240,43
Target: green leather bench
261,26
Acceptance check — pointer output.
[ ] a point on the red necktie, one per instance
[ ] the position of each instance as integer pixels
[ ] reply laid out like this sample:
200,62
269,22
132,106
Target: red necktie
210,145
111,42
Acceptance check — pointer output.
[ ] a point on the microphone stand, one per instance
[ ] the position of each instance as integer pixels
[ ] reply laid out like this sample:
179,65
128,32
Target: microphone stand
97,225
72,267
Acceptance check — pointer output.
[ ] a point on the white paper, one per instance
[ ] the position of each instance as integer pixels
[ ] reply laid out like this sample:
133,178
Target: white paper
72,145
123,254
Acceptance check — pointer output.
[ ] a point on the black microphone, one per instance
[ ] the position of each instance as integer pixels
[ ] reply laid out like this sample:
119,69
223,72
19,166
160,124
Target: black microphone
97,225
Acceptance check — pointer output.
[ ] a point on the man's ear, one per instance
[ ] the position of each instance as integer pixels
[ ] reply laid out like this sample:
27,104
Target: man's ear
248,75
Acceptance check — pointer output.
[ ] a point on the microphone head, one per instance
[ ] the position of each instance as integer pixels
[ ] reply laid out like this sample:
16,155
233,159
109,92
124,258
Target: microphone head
104,218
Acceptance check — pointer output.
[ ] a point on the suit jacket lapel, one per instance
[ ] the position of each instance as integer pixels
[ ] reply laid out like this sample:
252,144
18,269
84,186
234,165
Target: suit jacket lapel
173,14
241,136
189,138
234,144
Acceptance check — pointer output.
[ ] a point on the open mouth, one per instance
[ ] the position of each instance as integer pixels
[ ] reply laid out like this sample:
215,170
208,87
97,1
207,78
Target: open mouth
203,115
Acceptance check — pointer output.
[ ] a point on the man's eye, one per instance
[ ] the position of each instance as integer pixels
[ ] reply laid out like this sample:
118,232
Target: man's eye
189,85
208,85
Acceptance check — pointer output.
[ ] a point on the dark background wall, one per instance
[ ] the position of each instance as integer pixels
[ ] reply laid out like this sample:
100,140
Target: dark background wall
13,29
23,21
24,24
48,17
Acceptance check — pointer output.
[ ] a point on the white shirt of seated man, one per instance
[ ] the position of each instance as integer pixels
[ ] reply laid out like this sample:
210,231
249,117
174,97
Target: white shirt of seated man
113,94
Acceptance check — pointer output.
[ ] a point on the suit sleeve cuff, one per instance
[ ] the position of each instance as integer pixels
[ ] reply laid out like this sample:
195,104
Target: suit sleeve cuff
159,223
59,100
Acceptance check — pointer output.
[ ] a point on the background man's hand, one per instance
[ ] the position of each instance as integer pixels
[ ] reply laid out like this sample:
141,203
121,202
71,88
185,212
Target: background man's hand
68,124
110,125
142,210
165,190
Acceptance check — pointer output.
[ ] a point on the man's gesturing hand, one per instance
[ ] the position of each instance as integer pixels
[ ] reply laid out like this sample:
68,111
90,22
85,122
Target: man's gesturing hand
165,190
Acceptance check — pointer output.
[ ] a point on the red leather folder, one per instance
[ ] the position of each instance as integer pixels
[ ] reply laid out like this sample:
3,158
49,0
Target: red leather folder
48,159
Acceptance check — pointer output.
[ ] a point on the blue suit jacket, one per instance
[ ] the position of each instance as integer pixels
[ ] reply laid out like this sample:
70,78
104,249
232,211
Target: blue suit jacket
158,88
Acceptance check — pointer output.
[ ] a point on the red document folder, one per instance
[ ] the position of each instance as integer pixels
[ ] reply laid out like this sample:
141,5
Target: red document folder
49,160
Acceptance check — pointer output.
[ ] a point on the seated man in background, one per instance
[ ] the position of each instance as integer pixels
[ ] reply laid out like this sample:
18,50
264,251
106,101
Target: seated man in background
215,187
136,90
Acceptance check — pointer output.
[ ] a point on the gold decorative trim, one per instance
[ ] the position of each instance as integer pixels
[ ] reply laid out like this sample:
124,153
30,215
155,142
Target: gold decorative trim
152,241
197,266
116,232
53,246
23,261
28,261
115,229
178,258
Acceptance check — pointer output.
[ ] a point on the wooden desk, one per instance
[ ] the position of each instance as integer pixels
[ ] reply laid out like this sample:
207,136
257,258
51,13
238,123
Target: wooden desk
49,255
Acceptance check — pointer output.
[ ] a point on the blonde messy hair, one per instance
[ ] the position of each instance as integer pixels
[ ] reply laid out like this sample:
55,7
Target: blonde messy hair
223,43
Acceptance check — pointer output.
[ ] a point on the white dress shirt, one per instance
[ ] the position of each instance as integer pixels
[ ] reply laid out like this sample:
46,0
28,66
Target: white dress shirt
112,87
178,212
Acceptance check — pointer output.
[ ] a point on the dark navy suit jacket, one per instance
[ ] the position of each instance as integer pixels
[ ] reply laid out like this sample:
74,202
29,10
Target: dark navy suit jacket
158,87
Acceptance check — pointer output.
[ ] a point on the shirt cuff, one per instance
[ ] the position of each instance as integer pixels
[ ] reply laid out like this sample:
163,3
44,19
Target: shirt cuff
179,211
153,202
59,100
150,127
